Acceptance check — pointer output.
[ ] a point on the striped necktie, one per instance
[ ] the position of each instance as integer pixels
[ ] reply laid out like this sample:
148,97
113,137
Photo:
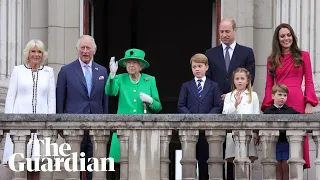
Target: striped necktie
199,87
88,77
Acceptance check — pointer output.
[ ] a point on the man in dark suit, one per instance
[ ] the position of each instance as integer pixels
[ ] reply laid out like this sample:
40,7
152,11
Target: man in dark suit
224,59
200,96
80,88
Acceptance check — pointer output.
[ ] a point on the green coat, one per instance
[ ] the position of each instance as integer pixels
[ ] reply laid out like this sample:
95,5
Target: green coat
129,99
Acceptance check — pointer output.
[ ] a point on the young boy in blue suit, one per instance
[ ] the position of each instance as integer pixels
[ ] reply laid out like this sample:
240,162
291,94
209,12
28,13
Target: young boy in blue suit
201,95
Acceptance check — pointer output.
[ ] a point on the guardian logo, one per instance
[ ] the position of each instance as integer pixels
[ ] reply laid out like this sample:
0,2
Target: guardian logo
51,161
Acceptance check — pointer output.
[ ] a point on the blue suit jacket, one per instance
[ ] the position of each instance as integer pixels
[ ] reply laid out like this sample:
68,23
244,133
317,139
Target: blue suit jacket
190,102
242,57
72,94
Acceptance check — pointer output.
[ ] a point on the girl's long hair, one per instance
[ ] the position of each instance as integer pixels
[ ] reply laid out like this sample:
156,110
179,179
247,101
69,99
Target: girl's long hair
276,53
249,87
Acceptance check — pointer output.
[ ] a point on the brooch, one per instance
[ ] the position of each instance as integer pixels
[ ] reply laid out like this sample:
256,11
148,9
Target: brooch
146,79
101,78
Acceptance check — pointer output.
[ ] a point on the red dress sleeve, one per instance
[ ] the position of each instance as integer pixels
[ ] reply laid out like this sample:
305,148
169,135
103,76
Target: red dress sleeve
309,93
267,100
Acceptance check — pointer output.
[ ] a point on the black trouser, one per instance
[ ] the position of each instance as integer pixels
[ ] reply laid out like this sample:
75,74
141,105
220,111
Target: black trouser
86,147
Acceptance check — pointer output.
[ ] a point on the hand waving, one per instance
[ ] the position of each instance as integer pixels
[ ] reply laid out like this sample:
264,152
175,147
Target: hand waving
238,98
113,67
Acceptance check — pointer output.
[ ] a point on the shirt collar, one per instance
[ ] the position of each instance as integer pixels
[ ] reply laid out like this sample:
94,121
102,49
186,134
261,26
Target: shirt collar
83,64
244,92
232,46
203,79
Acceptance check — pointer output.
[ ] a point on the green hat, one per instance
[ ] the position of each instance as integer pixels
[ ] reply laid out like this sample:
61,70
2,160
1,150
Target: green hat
134,54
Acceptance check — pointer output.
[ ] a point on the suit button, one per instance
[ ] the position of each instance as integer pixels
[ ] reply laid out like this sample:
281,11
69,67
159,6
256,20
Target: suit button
200,104
134,100
134,90
89,111
134,110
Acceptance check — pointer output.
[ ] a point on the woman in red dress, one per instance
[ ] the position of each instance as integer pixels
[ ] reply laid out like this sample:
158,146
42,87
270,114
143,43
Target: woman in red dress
288,65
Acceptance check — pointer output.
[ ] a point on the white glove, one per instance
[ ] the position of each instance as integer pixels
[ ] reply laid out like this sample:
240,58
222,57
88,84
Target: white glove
113,67
146,98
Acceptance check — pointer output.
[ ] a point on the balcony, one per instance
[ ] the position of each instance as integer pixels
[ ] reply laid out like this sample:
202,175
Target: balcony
145,142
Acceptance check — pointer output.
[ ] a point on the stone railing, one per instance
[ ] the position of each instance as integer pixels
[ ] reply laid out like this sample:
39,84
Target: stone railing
145,141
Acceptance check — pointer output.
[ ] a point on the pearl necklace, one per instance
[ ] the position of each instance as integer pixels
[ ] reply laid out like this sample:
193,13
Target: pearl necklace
135,81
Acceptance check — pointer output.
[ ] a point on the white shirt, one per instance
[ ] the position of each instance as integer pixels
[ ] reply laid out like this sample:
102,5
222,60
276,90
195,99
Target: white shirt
231,49
244,107
83,68
203,81
21,98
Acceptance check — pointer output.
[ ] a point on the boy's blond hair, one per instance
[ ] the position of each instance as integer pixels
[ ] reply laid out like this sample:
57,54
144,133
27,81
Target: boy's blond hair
199,58
280,88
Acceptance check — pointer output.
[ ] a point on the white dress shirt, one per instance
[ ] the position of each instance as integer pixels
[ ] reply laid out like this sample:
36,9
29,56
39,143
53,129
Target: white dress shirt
21,97
231,49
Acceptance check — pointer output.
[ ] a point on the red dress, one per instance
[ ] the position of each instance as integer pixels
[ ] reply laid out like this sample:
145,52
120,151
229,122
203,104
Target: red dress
292,77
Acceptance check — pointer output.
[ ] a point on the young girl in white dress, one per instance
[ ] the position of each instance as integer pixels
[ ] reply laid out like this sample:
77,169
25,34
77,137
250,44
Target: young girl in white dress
241,100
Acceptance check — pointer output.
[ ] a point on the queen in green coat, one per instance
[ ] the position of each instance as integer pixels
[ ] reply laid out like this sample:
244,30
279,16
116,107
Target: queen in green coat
137,91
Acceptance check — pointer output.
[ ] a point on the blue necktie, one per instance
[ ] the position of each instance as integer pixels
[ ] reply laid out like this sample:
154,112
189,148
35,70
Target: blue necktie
199,87
88,77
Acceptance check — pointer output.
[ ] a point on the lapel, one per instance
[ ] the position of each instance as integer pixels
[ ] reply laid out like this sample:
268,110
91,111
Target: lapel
193,87
78,69
221,60
233,59
95,74
207,86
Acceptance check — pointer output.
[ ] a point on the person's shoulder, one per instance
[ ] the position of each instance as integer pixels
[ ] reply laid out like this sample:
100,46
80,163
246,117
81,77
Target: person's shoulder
213,49
146,77
22,66
99,66
70,64
305,55
47,68
290,109
254,93
243,48
268,110
211,81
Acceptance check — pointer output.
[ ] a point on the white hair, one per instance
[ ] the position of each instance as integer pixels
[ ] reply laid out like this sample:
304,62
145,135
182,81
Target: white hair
31,44
87,37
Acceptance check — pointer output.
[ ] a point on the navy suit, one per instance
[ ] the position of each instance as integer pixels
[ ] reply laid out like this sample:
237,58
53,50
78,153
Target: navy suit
190,102
72,96
242,57
209,103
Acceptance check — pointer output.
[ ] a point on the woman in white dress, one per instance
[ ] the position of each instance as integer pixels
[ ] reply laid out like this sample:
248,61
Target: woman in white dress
31,90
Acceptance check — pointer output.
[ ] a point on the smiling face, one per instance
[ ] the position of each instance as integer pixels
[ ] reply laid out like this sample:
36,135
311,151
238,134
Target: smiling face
240,81
86,50
35,56
285,39
133,66
199,69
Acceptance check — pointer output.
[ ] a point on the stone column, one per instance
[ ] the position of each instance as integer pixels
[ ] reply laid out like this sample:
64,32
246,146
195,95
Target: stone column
316,139
123,136
242,162
1,150
188,140
73,138
296,161
99,139
215,140
20,138
268,139
43,135
165,138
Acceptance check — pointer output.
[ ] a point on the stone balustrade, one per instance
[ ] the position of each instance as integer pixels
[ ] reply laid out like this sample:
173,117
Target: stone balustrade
145,141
